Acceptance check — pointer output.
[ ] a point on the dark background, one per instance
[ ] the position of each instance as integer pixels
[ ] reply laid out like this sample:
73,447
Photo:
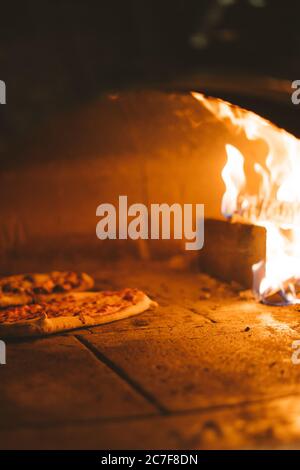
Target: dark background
55,55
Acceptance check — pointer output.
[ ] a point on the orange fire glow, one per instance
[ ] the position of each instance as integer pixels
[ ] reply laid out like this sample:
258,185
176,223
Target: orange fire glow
276,204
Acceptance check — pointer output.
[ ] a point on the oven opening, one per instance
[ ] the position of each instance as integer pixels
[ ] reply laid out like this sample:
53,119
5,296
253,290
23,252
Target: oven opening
101,205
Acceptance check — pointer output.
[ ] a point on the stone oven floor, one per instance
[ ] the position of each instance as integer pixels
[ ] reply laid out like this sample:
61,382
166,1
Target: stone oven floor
210,368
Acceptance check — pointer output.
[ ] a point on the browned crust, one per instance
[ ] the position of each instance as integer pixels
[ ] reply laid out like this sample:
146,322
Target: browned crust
46,326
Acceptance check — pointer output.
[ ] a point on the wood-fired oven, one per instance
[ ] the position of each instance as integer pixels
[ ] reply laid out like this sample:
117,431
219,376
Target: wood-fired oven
216,364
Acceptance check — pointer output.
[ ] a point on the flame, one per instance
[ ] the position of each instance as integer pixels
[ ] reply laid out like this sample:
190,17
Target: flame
275,206
234,178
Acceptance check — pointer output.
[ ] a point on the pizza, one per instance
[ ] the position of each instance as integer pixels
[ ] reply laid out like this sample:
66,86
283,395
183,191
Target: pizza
27,288
74,310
